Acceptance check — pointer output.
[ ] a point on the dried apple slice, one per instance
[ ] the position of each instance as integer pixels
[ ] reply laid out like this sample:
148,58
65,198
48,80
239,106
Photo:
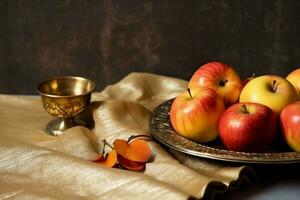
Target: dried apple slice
137,150
109,161
129,164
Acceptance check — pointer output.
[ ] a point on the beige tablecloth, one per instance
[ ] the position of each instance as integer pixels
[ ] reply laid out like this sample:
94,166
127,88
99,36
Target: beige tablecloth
34,165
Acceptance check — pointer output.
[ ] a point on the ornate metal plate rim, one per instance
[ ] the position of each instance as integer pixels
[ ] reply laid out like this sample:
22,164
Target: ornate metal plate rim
162,131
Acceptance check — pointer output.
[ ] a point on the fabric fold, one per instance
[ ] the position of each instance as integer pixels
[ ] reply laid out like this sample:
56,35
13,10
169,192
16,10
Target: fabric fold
39,166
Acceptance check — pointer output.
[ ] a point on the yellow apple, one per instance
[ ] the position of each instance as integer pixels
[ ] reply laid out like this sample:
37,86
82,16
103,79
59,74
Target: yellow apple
194,114
294,79
270,90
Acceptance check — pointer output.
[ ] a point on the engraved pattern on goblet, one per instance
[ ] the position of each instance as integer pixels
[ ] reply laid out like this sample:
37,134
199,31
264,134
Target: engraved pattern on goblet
65,110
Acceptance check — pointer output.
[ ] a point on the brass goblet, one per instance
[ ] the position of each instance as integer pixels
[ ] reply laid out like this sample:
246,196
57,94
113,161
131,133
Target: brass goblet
65,97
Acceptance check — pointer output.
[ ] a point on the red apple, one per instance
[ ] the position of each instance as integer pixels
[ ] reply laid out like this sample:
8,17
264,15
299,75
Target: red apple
194,114
247,127
220,77
290,123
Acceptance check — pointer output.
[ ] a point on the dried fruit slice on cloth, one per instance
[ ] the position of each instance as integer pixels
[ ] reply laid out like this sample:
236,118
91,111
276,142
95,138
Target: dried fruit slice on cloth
129,164
109,160
131,154
137,150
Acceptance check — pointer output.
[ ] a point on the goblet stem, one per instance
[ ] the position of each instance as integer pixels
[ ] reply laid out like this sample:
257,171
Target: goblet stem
66,123
57,126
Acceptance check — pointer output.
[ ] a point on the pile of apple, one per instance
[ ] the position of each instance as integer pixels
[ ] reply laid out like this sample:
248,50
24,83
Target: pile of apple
247,116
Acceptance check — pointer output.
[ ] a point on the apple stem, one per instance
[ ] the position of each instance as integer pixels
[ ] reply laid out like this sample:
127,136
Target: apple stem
246,111
189,91
223,82
274,87
106,143
253,75
132,137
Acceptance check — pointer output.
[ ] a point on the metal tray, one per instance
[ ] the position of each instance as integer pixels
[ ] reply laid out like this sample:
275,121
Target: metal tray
161,129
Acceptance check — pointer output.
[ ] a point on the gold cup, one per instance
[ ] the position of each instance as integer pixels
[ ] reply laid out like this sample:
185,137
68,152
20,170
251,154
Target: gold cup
65,97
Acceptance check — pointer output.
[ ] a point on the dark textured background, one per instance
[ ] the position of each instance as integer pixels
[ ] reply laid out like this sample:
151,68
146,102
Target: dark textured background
104,40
